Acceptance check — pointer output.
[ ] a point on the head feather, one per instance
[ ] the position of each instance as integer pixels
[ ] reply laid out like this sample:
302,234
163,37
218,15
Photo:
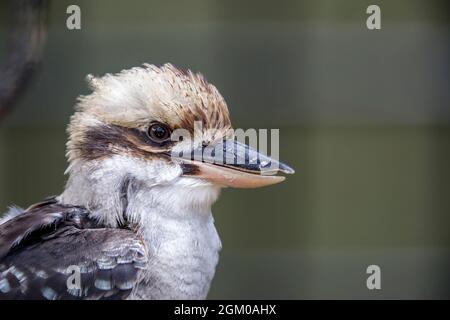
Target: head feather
136,97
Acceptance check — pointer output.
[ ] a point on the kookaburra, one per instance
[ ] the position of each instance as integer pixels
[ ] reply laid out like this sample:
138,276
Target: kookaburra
134,220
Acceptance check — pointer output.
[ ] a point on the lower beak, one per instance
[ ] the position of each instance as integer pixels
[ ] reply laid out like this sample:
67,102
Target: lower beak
233,164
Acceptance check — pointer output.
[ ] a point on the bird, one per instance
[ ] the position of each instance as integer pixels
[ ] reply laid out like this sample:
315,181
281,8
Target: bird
134,220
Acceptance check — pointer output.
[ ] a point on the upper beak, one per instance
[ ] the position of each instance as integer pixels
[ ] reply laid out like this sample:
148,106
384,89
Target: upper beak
233,164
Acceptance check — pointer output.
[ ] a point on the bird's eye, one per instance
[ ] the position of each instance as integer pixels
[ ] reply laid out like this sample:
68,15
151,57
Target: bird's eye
158,132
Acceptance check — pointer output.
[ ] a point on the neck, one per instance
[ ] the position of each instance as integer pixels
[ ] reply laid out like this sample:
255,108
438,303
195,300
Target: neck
172,213
115,190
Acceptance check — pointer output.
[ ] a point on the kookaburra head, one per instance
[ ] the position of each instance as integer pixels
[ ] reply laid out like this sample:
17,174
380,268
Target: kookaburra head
157,128
149,150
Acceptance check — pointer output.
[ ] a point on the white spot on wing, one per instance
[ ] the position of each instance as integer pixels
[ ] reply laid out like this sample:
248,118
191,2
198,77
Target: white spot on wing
125,285
49,293
42,274
103,284
4,286
17,273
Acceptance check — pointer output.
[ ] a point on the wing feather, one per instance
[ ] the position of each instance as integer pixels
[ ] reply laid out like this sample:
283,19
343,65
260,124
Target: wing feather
42,249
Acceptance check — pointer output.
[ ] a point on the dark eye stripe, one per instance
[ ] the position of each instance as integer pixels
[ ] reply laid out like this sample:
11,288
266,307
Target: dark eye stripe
104,141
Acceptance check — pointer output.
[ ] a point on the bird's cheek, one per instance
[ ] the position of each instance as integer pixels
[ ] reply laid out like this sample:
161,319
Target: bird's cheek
169,172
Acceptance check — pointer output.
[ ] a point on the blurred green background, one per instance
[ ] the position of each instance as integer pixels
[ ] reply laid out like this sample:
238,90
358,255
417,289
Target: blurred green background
364,118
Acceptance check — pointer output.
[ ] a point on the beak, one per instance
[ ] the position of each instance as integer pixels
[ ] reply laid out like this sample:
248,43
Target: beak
233,164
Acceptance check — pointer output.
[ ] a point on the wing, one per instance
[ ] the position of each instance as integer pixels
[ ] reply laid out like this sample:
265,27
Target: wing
52,251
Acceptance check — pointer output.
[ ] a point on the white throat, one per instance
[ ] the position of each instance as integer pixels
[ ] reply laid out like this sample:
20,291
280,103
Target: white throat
173,214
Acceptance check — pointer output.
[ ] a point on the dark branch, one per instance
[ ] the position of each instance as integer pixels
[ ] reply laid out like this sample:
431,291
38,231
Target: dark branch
26,45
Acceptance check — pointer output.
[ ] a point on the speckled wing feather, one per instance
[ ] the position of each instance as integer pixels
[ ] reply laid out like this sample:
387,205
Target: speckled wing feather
44,247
